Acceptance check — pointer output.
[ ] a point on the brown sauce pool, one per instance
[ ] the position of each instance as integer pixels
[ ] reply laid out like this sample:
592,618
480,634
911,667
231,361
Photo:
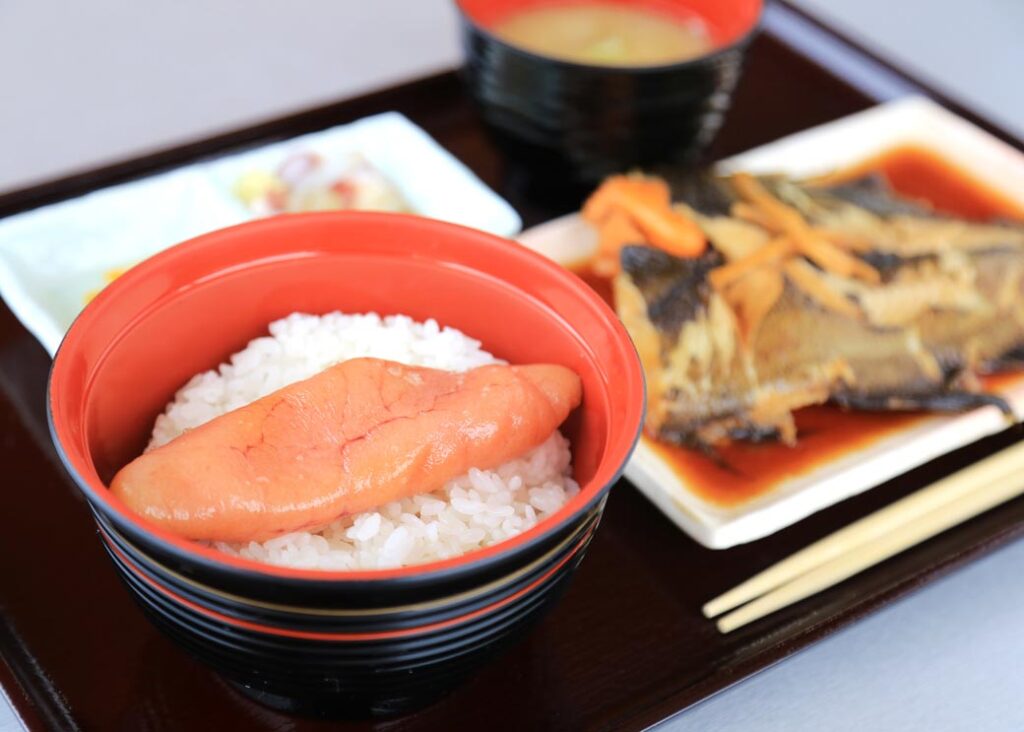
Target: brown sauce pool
747,469
916,172
826,433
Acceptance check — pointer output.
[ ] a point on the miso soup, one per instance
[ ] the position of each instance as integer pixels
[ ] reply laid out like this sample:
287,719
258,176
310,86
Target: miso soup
605,34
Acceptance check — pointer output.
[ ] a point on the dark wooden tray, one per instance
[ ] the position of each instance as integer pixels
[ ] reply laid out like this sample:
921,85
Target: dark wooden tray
627,646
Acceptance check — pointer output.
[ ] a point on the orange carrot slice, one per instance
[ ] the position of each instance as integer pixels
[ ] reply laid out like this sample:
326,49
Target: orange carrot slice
750,212
669,230
845,240
823,253
620,191
723,276
787,218
832,259
615,232
638,209
811,283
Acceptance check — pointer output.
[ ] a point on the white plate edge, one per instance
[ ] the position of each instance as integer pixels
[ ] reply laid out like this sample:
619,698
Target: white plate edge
43,324
903,121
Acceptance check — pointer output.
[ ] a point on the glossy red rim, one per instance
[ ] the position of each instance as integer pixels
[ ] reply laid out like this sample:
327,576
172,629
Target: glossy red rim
729,22
378,635
610,469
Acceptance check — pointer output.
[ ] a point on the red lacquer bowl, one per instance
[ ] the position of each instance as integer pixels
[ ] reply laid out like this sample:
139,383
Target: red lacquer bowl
337,642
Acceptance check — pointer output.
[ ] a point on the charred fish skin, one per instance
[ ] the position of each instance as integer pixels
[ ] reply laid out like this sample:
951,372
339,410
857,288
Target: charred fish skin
702,387
870,193
983,336
947,306
667,305
982,331
803,355
675,289
950,401
703,191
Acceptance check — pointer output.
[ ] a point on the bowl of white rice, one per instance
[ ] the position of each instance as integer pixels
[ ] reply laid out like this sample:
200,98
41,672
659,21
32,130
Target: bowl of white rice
383,610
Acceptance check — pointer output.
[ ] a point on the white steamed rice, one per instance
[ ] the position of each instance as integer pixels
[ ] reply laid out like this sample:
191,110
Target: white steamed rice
472,511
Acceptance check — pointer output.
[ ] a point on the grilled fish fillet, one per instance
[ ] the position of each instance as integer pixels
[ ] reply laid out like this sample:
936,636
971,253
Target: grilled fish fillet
944,308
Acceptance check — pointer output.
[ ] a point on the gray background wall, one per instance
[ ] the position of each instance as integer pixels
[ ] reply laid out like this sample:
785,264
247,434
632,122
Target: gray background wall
89,82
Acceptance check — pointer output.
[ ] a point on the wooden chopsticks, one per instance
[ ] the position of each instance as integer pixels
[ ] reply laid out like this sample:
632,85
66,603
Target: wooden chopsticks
873,539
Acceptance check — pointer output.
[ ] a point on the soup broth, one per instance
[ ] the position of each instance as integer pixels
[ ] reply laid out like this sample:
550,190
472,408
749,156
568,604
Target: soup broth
605,34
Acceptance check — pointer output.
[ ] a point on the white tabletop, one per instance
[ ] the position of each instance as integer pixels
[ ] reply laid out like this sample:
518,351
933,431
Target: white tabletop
140,76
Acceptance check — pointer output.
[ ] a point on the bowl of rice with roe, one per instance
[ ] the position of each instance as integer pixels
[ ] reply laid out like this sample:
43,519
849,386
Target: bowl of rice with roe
344,458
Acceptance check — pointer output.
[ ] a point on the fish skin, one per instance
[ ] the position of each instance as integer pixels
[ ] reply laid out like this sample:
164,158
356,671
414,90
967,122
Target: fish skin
871,193
676,289
803,354
358,435
980,339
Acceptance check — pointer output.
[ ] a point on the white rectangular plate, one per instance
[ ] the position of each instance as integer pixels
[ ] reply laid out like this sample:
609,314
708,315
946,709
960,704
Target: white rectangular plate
52,257
836,145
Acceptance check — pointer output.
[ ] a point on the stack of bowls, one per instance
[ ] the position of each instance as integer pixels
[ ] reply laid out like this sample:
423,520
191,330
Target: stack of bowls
337,643
574,123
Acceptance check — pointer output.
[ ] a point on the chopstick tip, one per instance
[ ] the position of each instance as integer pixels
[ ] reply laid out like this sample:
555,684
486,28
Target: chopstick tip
713,608
729,623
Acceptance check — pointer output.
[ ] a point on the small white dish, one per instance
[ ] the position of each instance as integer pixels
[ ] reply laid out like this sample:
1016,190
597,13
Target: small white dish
836,145
52,257
433,181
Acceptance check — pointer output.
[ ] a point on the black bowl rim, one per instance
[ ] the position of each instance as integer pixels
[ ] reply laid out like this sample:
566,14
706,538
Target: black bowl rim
366,581
738,44
165,575
409,632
